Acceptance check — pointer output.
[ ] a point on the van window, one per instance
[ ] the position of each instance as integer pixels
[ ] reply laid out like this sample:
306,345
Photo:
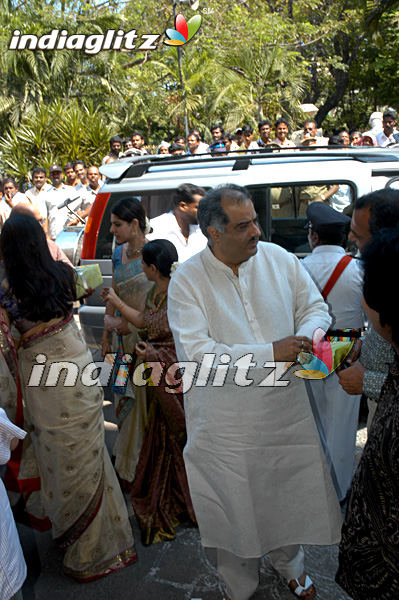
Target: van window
288,211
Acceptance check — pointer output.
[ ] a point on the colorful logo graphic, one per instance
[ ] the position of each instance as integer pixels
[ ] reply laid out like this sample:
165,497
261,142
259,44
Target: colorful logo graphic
184,30
328,354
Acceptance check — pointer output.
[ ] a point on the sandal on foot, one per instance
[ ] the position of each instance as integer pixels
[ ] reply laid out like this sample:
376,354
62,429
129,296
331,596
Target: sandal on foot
305,588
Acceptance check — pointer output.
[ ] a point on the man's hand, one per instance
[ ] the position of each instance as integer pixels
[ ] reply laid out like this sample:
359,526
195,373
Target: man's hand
351,379
352,356
288,348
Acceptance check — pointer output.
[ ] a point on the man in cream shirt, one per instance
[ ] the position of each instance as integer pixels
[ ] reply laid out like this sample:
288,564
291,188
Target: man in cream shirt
256,471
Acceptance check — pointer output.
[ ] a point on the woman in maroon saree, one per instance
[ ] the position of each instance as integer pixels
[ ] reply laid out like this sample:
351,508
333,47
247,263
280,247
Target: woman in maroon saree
160,494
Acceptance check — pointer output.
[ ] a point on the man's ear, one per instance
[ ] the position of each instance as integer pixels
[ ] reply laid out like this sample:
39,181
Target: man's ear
183,205
214,233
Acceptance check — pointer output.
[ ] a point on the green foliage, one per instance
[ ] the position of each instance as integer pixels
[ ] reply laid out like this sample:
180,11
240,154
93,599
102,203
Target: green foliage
250,60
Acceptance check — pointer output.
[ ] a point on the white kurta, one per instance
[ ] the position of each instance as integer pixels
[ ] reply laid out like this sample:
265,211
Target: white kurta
166,227
336,412
256,471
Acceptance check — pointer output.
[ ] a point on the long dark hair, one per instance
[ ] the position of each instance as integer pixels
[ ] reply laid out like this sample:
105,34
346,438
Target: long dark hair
160,253
128,209
44,288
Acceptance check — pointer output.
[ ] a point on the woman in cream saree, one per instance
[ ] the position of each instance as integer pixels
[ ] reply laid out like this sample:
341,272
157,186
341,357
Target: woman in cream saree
63,408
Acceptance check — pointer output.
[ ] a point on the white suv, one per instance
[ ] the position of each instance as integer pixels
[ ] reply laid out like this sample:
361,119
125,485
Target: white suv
281,184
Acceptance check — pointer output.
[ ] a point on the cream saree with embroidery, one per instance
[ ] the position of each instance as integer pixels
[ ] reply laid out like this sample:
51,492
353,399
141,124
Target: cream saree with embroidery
80,491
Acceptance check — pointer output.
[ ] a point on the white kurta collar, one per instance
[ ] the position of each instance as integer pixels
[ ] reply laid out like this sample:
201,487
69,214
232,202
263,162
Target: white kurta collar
329,248
218,264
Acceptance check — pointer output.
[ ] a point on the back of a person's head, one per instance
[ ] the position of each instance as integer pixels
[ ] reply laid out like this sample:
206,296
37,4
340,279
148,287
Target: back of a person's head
380,259
384,208
44,287
160,253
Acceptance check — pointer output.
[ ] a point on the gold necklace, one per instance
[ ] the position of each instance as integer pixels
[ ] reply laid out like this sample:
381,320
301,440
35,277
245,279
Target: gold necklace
130,253
156,308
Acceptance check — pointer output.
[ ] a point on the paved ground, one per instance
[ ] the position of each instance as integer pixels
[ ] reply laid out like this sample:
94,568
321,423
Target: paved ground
178,570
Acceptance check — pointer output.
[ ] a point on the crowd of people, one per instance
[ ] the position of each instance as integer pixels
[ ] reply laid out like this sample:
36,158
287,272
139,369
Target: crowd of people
382,132
200,306
75,186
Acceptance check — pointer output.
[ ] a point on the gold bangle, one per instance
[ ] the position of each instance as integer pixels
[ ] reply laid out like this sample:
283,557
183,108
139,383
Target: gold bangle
121,303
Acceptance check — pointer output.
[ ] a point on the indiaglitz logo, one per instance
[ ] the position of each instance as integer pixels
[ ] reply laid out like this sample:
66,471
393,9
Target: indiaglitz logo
112,39
184,30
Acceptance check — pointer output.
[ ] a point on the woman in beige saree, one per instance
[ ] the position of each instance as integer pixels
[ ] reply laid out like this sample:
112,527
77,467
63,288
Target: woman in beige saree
63,408
129,226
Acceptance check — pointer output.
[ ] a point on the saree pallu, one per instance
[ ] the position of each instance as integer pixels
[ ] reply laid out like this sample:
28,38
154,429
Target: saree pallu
21,479
80,491
131,410
160,495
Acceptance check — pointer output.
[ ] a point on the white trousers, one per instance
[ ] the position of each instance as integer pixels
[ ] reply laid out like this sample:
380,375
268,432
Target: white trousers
241,575
336,414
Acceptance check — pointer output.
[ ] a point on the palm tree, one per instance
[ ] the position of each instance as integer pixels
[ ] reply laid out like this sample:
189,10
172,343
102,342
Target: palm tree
258,80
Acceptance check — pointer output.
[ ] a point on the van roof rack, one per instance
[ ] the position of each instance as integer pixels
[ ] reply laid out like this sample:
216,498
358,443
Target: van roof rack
137,166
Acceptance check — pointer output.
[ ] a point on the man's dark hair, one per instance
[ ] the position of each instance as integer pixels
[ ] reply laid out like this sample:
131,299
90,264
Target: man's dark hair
196,131
79,162
227,136
281,120
213,127
384,209
178,138
389,113
195,135
160,253
261,123
185,193
115,138
247,129
10,180
380,259
39,170
137,133
174,147
210,212
68,166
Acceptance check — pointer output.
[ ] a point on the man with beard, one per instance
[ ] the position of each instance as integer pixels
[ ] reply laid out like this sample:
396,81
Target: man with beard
180,225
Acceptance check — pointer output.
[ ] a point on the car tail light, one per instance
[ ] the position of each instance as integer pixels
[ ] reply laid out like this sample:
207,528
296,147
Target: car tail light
93,226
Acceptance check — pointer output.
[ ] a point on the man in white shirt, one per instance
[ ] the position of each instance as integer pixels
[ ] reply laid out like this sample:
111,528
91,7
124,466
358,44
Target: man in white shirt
194,145
56,195
180,225
386,136
256,471
88,195
40,185
336,412
11,197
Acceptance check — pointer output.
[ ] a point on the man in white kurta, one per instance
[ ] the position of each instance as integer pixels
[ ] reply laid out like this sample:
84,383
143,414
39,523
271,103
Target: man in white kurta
336,412
257,474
